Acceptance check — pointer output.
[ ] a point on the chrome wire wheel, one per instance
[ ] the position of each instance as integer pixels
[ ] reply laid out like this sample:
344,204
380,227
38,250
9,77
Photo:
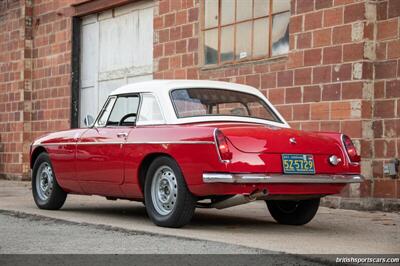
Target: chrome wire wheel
44,181
164,190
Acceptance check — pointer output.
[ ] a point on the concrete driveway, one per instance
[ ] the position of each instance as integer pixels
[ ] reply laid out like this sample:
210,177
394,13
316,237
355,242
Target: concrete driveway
332,231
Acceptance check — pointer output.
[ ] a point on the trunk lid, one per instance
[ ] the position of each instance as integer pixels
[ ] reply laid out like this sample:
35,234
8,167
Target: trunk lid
265,139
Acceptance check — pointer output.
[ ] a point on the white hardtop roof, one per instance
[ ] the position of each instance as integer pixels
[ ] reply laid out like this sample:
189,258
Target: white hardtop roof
157,86
161,89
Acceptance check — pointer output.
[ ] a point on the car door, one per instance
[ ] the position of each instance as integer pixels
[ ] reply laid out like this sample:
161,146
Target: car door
100,150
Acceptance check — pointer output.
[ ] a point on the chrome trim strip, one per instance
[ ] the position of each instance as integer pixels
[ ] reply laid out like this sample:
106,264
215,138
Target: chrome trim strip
173,142
123,142
97,143
53,144
270,179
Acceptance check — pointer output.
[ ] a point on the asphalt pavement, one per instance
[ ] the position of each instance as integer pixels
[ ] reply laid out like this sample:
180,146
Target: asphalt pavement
91,224
27,234
67,243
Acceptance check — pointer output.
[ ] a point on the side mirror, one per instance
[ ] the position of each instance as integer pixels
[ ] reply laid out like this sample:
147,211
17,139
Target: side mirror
88,120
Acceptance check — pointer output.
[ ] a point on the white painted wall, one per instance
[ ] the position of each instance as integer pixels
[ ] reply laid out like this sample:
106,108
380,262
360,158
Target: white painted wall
116,49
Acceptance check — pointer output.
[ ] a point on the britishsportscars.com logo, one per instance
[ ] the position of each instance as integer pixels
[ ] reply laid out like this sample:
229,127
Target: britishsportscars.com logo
367,260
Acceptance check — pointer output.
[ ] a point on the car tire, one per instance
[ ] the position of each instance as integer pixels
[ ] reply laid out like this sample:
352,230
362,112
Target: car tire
292,212
46,192
168,201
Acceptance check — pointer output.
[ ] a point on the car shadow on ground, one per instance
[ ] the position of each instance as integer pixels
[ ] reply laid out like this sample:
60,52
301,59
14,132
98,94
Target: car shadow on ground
210,219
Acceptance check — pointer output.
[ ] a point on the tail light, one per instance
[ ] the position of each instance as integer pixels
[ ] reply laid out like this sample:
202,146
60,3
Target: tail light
350,149
222,146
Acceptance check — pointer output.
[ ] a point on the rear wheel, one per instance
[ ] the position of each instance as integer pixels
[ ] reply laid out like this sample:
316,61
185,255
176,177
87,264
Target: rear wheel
46,191
169,203
293,212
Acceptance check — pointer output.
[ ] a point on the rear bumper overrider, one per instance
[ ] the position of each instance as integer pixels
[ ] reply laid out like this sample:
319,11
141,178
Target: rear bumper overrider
279,178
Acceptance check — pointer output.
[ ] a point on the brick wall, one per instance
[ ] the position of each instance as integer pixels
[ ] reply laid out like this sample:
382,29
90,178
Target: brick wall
35,54
15,43
341,73
386,112
52,32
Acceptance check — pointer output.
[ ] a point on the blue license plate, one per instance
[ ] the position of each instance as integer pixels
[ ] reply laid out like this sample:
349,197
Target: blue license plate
298,164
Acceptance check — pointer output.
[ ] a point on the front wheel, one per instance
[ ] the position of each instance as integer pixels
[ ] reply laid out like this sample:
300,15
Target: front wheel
47,193
293,212
168,201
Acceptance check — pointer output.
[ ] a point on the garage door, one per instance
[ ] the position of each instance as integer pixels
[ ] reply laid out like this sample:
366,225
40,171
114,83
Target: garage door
116,49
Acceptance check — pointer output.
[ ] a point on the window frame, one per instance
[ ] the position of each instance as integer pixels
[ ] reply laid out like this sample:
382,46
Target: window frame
100,114
138,122
269,18
97,125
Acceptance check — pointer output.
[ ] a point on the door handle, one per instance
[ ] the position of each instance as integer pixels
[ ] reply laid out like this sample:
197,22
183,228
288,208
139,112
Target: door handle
122,135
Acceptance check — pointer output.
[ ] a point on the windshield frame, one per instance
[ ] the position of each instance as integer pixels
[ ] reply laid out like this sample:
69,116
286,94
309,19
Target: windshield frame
261,101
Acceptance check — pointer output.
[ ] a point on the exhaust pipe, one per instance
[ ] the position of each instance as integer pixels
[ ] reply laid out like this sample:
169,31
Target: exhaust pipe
239,200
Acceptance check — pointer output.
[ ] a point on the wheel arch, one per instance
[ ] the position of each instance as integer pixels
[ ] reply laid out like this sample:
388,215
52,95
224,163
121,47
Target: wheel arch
145,164
35,154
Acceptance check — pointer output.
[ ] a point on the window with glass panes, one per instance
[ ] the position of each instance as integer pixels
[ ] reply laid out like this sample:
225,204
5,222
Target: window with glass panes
239,30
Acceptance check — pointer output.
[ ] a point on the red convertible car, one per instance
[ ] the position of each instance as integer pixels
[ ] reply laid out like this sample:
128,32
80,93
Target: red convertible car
180,144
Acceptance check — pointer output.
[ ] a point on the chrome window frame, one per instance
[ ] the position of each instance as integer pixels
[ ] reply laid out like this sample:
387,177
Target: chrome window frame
96,124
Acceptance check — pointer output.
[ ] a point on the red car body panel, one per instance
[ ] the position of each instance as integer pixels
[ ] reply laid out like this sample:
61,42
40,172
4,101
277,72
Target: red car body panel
101,161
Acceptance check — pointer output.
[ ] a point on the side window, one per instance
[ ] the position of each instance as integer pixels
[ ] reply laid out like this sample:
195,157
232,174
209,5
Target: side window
123,106
150,112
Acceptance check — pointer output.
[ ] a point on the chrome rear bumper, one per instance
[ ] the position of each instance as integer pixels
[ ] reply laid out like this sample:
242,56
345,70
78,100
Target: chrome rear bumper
289,179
